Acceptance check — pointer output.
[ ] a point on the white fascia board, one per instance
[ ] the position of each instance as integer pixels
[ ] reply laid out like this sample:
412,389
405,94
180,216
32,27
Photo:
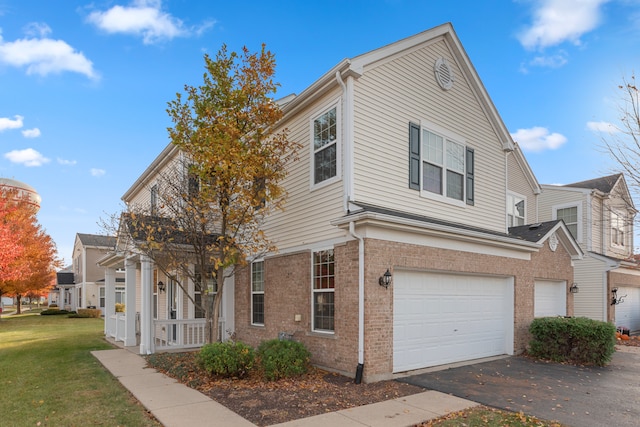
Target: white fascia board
157,163
437,230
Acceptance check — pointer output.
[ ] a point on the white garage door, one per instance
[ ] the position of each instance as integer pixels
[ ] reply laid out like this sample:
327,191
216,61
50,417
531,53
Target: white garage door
445,318
628,312
550,298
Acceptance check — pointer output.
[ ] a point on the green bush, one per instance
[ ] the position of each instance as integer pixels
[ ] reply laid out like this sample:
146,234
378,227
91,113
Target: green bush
53,312
228,359
572,339
283,359
89,312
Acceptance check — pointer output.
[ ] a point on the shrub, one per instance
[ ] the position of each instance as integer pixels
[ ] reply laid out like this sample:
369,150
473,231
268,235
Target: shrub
119,307
283,359
89,312
228,359
575,339
53,312
54,305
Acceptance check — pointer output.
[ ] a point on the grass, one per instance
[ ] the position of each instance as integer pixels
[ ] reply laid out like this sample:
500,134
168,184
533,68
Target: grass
488,417
49,377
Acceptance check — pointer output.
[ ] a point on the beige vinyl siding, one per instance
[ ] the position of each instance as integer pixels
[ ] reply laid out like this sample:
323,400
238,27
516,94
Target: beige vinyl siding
590,275
308,211
403,90
517,183
617,203
599,229
551,197
142,197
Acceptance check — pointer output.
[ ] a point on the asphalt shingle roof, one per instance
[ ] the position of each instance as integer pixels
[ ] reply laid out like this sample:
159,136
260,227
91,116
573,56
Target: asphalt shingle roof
604,184
97,240
533,232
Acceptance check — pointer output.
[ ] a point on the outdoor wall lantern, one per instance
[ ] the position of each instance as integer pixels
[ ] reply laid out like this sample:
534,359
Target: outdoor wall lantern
385,279
614,297
574,288
161,286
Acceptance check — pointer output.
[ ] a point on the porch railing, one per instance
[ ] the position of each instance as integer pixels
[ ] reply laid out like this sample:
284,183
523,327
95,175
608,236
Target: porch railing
179,333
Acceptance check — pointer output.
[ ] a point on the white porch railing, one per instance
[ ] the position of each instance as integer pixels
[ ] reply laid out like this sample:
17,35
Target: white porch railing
116,326
179,333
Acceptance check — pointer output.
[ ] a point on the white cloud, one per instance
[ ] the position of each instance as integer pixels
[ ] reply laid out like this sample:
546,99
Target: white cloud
43,56
98,172
558,21
538,139
66,162
604,127
142,18
37,29
7,123
551,61
28,157
31,133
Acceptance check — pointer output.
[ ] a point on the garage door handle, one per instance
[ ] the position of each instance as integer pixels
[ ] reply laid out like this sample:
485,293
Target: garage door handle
455,330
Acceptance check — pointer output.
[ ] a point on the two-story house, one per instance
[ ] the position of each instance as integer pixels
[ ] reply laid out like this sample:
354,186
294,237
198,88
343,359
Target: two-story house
600,215
410,236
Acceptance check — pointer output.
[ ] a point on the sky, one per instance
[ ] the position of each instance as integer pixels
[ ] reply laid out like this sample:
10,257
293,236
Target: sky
84,85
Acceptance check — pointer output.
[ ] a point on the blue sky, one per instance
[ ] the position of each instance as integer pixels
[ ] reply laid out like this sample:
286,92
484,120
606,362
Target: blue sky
84,85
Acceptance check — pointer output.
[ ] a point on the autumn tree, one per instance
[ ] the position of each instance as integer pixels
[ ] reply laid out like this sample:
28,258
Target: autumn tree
212,202
31,269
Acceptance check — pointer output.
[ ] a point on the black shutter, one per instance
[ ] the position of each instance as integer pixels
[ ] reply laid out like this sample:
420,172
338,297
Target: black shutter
414,156
470,176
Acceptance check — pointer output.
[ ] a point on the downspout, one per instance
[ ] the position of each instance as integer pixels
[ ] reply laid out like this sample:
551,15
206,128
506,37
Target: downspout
360,367
347,124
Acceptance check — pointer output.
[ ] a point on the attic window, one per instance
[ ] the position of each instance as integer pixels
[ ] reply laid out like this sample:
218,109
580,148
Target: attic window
444,73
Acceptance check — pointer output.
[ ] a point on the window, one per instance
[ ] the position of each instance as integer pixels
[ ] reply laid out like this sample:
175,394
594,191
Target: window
120,295
102,297
325,146
515,210
570,217
323,291
440,165
257,293
154,199
617,229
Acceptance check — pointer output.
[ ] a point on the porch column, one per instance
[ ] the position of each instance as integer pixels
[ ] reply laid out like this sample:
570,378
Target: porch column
146,312
109,299
130,302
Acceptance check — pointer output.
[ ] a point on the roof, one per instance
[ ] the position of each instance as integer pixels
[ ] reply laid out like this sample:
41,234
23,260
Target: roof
97,240
604,184
65,278
533,232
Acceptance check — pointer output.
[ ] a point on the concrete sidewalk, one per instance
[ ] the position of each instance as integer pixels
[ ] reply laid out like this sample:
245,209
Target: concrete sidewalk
176,405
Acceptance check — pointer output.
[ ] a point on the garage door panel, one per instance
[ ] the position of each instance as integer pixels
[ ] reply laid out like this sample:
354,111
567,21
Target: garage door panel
550,298
440,318
628,312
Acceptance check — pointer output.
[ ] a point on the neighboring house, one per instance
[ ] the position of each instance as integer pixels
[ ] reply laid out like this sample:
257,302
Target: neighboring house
61,293
600,215
83,286
404,243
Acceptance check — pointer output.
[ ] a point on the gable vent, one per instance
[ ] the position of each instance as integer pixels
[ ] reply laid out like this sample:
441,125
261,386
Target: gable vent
444,73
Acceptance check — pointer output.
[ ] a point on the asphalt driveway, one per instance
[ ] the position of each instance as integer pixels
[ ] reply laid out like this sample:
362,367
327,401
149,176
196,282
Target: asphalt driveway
574,396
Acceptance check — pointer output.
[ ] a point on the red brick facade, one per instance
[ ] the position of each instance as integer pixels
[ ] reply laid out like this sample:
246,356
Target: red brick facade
288,293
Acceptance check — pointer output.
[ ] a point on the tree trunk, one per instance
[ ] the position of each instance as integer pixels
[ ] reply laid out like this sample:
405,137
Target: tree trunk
19,304
216,313
209,328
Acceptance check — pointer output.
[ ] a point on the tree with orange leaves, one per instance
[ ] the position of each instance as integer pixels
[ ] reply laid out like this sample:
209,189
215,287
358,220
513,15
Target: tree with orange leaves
28,254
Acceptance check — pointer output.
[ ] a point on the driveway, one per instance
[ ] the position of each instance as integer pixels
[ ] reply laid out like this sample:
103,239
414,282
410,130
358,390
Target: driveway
574,396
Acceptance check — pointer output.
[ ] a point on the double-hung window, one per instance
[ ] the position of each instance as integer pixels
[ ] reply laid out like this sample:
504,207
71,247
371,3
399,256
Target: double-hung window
257,293
571,216
440,165
154,199
617,229
323,288
325,146
515,210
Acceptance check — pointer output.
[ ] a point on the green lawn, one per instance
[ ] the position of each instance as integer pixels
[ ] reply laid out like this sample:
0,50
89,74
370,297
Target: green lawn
48,376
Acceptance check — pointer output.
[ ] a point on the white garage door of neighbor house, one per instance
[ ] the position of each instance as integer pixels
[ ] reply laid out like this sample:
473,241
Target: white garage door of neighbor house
550,298
446,318
628,312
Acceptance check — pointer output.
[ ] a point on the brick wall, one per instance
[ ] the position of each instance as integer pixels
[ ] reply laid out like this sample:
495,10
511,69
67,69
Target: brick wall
288,292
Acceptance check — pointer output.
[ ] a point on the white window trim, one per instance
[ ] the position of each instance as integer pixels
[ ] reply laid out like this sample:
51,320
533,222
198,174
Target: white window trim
453,137
578,205
313,326
256,292
514,194
316,114
623,218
